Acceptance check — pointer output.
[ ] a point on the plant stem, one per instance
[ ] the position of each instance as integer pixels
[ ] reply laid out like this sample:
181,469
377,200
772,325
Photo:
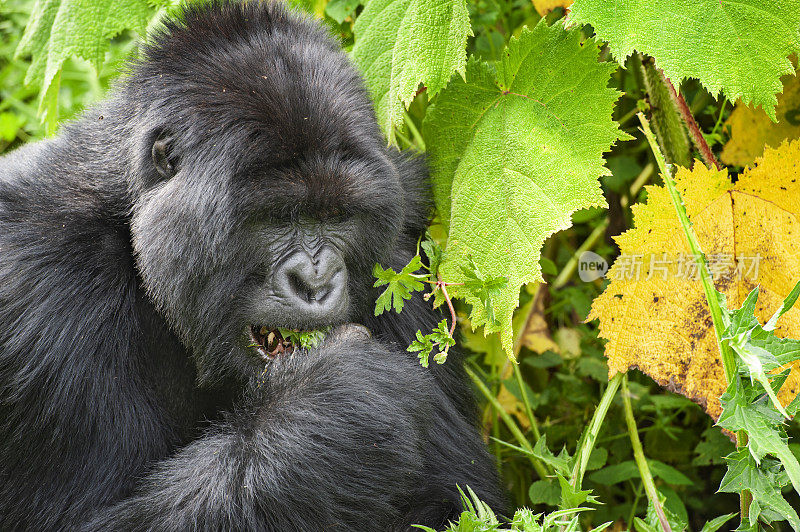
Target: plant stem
643,177
691,124
443,286
641,461
515,364
592,431
572,264
637,496
528,410
510,423
726,353
728,360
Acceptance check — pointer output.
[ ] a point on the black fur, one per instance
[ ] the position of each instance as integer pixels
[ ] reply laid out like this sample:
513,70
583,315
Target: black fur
138,246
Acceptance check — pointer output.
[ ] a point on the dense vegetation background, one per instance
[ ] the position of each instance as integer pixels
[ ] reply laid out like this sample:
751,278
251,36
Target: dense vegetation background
531,125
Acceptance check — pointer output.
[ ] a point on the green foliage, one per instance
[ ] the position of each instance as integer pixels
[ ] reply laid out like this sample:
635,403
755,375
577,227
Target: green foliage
751,405
485,289
740,48
401,44
513,157
440,338
516,119
400,285
478,517
60,29
305,339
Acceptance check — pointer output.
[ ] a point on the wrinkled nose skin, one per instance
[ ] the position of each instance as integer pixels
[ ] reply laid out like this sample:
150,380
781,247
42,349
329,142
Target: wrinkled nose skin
313,286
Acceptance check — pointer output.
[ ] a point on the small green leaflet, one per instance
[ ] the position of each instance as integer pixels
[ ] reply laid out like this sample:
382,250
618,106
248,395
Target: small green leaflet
764,482
562,464
485,289
740,48
514,152
400,285
60,29
439,338
400,44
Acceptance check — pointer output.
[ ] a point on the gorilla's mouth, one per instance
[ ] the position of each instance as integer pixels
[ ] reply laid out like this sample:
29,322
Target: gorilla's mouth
269,343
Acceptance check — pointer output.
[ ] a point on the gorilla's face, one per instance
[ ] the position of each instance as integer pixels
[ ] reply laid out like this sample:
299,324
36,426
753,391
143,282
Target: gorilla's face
233,244
262,204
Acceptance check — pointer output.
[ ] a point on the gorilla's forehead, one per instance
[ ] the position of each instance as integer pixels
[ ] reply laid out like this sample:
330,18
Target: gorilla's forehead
254,70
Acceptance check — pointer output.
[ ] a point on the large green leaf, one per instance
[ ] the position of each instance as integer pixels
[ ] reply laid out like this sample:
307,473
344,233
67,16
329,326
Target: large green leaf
514,152
60,29
401,44
739,47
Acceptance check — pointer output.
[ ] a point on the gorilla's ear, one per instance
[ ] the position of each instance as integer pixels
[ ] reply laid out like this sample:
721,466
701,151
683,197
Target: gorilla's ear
163,158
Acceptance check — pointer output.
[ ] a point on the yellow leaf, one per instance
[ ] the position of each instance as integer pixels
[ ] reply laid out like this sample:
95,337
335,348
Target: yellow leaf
654,312
545,6
752,129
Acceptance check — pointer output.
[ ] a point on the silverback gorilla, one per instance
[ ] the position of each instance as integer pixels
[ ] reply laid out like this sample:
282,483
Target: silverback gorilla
235,182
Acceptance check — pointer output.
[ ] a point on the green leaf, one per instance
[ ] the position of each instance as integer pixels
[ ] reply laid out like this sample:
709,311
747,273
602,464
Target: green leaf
716,523
643,526
763,425
400,44
788,303
400,285
740,48
514,153
572,497
764,482
627,470
544,492
60,29
561,463
483,288
759,351
434,253
305,339
339,10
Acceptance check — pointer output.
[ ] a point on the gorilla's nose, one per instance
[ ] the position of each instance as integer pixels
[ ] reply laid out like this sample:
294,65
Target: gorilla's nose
313,284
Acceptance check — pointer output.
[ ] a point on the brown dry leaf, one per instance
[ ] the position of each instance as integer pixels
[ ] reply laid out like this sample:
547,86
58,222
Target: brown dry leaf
655,315
752,129
543,7
533,333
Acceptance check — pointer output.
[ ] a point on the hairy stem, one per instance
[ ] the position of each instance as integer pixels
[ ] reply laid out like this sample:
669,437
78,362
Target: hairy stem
691,124
638,456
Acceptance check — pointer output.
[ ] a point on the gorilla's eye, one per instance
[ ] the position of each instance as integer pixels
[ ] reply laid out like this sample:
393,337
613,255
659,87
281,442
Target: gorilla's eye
163,158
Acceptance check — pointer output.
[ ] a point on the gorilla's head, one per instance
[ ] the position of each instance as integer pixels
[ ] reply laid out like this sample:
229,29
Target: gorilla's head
263,190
